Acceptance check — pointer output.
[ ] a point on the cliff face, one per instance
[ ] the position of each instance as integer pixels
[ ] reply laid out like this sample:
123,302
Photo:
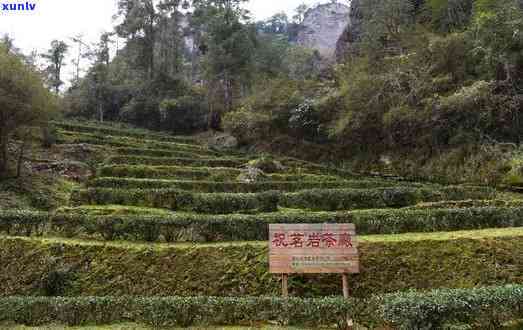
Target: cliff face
322,27
352,32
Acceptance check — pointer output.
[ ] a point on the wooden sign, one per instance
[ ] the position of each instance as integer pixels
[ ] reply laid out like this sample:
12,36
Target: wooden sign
313,249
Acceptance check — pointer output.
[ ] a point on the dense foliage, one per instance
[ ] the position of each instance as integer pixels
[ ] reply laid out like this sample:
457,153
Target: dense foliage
250,227
423,88
412,310
24,101
268,201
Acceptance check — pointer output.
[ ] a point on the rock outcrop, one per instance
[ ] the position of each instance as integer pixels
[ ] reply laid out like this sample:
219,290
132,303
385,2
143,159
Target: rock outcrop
322,27
352,32
222,142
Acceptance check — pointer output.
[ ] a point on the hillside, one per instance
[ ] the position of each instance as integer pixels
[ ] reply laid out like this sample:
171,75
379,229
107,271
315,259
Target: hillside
141,167
163,219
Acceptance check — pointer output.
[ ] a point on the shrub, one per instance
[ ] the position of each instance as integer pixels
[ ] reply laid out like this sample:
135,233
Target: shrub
232,187
184,115
174,311
247,126
317,199
166,172
411,310
126,142
150,225
23,222
238,227
113,131
348,199
487,307
179,161
218,203
159,152
471,203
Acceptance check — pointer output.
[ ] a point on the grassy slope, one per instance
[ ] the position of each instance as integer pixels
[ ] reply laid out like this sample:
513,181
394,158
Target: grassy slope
423,261
390,263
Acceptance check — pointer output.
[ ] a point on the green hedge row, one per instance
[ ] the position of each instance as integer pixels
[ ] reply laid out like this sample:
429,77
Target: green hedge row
172,311
161,153
113,131
316,168
238,227
316,199
347,199
198,173
486,307
231,186
168,172
24,223
34,266
179,200
471,203
125,142
178,161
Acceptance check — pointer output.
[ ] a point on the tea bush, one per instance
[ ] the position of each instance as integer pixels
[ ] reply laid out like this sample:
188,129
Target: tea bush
254,227
124,141
347,199
411,310
232,187
179,200
316,199
166,172
486,307
161,152
177,161
95,128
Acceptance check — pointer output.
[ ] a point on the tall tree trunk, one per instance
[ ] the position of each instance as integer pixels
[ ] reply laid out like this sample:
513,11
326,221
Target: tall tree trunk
228,92
100,112
3,152
21,154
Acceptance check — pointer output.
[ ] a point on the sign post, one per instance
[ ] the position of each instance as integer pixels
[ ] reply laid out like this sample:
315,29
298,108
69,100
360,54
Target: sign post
285,285
314,249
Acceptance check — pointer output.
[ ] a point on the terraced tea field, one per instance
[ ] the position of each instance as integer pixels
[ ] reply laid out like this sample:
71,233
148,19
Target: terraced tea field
171,233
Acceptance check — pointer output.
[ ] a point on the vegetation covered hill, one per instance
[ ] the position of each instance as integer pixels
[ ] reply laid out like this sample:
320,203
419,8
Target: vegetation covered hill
148,222
153,206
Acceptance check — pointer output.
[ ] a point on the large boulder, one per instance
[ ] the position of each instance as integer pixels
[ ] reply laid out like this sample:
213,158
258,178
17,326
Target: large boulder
223,141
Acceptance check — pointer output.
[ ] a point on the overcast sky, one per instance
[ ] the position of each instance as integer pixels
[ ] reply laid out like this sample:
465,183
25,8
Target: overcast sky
62,19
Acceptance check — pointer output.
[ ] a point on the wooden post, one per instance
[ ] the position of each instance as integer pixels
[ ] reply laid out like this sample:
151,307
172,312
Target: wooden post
285,285
345,279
